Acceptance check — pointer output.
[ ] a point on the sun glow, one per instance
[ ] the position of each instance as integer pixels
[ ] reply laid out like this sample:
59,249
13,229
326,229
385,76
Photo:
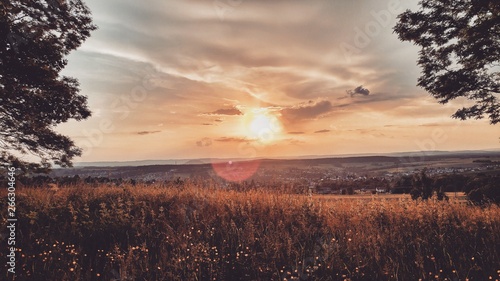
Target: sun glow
262,125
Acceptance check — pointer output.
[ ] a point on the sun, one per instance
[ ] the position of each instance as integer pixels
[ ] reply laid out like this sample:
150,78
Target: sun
261,124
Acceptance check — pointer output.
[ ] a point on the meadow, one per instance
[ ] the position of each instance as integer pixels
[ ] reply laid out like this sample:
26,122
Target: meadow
192,231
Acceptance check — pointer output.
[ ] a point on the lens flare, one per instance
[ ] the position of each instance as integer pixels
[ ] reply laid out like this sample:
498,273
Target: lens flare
236,171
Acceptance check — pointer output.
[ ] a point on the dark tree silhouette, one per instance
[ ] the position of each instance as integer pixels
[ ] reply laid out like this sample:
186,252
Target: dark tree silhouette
425,187
422,186
35,37
460,52
484,189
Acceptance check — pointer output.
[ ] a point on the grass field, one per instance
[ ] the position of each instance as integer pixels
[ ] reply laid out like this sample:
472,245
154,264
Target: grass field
192,233
459,197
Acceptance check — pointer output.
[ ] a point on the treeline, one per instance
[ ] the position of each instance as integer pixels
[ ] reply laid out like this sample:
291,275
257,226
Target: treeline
37,181
45,180
480,188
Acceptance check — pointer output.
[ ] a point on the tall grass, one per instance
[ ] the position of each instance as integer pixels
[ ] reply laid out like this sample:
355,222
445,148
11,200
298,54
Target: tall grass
193,233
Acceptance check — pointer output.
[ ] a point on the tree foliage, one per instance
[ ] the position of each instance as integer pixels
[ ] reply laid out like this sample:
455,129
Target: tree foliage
422,186
484,189
460,52
35,38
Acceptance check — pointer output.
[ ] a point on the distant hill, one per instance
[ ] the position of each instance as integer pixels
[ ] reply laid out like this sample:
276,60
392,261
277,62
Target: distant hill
302,167
370,157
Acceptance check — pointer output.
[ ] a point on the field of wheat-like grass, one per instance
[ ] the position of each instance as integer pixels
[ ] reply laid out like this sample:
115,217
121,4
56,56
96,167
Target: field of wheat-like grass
189,232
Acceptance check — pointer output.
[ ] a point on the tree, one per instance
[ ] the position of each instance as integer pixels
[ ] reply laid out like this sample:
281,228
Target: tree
426,187
460,52
484,189
35,37
422,186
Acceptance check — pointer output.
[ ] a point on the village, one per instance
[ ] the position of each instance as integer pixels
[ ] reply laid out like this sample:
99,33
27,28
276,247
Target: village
311,176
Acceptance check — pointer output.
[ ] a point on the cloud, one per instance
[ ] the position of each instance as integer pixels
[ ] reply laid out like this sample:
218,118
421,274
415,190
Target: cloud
295,133
310,110
147,132
226,111
358,91
204,142
311,88
296,142
213,77
431,125
370,132
231,139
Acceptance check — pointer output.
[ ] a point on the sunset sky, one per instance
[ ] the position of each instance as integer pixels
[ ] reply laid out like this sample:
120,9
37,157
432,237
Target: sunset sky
246,78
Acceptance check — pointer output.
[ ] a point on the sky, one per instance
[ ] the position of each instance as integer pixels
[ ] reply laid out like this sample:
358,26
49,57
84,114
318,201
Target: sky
251,78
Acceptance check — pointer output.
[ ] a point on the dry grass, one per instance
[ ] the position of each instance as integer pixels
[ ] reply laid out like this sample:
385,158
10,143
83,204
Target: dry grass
193,233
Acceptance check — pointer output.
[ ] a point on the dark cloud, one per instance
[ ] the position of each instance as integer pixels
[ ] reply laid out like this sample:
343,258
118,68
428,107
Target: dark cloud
358,91
226,111
147,132
310,110
206,124
295,133
218,120
322,131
